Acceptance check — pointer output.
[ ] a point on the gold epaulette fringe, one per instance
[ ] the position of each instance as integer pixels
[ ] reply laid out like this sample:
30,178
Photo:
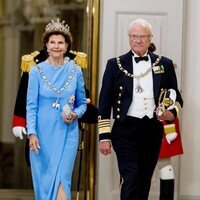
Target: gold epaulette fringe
27,61
80,59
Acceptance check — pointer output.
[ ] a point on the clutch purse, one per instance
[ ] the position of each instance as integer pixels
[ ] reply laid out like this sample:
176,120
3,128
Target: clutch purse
66,111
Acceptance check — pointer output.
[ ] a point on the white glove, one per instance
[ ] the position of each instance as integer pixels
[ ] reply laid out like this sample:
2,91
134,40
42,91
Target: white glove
170,131
18,131
171,137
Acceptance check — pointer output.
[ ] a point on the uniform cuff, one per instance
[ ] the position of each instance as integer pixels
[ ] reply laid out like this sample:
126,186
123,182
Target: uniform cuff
18,121
104,136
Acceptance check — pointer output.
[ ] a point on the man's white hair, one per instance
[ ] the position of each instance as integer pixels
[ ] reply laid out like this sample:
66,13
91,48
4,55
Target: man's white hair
141,22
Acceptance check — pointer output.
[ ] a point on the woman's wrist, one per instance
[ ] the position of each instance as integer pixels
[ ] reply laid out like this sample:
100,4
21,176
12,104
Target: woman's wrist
75,115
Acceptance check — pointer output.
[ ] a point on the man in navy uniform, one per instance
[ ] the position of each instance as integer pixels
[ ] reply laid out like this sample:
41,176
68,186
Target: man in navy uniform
132,84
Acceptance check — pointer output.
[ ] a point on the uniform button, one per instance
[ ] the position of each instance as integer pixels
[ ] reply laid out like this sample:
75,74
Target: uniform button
118,116
118,109
120,94
118,101
120,87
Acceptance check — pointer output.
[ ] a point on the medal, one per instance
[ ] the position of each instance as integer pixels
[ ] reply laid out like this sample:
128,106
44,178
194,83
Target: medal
56,104
138,88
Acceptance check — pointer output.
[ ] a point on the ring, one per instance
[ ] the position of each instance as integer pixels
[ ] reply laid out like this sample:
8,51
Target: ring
69,118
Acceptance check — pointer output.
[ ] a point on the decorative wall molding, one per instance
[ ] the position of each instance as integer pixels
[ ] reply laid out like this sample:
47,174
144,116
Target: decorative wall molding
158,21
187,197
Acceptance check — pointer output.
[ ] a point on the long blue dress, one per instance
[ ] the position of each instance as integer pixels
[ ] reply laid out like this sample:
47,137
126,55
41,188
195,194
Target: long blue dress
53,164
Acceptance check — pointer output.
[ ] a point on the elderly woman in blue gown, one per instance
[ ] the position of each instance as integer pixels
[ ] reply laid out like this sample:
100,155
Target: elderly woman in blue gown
55,101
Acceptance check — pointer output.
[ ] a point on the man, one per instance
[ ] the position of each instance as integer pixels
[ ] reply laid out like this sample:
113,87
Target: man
132,85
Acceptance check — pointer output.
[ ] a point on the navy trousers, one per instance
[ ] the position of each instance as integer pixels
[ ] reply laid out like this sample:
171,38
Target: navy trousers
136,143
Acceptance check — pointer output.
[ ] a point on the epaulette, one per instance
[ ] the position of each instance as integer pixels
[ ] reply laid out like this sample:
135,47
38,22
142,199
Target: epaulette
80,59
27,61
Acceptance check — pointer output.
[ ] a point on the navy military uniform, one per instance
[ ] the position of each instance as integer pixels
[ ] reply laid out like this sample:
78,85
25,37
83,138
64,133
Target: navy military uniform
136,141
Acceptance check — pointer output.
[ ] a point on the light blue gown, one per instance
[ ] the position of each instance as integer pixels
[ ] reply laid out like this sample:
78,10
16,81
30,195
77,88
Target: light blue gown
53,164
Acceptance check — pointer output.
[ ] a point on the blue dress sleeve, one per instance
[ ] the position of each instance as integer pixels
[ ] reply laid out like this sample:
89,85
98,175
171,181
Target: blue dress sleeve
32,101
80,98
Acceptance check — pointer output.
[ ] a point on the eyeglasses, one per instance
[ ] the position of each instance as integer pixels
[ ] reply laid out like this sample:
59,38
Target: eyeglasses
139,37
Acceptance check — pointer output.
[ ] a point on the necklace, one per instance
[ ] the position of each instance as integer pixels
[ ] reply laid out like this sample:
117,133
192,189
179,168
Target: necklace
56,67
56,104
138,88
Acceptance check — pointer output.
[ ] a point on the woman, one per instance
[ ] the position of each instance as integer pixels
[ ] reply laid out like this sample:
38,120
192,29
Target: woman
55,100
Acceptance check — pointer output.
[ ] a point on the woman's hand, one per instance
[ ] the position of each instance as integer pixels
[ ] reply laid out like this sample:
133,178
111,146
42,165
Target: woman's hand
34,143
70,118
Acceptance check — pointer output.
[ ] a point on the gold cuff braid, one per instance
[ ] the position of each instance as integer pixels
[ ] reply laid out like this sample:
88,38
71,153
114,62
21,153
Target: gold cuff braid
104,126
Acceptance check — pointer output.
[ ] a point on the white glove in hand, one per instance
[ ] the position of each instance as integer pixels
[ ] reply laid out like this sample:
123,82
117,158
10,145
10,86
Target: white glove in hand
171,137
18,131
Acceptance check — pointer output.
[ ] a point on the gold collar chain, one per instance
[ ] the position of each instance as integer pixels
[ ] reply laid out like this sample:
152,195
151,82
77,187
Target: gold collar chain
140,75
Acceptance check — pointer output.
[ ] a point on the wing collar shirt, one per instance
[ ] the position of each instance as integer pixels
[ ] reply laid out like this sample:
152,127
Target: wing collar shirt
143,103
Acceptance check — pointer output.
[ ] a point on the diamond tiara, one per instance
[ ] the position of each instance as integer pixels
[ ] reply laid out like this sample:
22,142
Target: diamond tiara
57,26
